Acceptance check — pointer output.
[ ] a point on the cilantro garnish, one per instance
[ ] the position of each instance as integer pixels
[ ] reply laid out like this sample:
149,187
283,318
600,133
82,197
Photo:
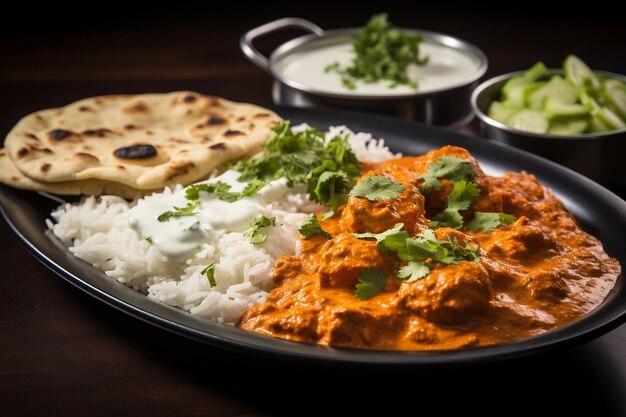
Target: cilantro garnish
413,271
489,221
188,210
327,168
465,252
311,227
253,232
193,191
450,167
250,189
222,190
426,246
209,271
371,282
387,240
382,52
422,251
462,196
376,188
330,187
332,67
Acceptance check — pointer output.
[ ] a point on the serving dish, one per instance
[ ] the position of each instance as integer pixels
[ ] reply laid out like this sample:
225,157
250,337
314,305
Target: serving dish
436,104
595,155
601,213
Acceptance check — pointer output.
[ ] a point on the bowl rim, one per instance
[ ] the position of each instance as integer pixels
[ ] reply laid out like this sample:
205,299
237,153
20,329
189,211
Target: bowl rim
450,41
478,91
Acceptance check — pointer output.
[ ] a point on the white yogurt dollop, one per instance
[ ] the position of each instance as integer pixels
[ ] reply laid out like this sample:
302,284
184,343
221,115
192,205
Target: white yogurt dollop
179,237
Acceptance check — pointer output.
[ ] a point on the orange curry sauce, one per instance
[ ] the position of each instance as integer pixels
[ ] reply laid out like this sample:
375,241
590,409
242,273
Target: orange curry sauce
540,272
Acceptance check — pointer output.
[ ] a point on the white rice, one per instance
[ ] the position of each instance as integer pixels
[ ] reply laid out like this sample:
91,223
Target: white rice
96,230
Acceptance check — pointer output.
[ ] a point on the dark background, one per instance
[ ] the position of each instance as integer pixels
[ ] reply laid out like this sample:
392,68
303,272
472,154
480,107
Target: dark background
108,47
63,353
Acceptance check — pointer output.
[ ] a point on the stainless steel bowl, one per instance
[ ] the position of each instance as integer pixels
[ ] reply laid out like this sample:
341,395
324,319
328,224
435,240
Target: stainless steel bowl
599,156
445,107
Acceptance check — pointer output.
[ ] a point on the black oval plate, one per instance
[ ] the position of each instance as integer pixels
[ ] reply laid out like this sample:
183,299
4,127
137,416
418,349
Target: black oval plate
600,212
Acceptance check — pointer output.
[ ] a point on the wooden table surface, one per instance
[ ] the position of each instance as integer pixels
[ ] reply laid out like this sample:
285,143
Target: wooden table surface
64,353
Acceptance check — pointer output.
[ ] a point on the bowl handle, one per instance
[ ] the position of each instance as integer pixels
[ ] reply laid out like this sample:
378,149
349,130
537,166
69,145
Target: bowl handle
245,43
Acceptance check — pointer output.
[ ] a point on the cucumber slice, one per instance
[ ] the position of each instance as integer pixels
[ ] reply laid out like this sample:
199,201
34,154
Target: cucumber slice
609,118
515,95
533,74
529,121
603,114
579,74
554,108
513,83
502,112
615,96
568,127
596,126
537,99
536,71
531,88
556,89
588,101
519,94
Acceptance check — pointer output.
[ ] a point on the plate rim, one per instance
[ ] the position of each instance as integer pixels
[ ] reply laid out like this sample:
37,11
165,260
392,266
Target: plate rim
599,321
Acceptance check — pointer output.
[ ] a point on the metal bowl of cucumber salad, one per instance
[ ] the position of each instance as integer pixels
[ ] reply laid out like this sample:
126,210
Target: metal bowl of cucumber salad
573,115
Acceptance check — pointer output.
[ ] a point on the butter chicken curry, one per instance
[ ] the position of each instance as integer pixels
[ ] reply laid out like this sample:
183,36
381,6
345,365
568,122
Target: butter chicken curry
430,253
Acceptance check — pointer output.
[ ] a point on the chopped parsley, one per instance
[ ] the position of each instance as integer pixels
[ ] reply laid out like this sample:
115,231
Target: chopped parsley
149,240
311,227
327,168
188,210
256,237
209,271
382,52
460,198
371,282
449,167
376,188
488,221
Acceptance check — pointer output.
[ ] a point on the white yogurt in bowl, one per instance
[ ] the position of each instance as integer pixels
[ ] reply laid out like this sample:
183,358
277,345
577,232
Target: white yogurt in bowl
446,67
298,67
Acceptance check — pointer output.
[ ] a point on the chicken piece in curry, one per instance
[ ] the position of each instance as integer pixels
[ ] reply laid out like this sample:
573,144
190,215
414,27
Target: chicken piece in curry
451,258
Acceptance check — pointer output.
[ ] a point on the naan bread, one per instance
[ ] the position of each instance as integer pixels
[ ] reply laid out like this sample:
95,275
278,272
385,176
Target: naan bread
10,175
143,141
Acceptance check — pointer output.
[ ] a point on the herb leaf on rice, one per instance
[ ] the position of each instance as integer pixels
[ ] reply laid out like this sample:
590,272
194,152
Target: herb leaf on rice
311,227
209,272
222,190
328,168
257,237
